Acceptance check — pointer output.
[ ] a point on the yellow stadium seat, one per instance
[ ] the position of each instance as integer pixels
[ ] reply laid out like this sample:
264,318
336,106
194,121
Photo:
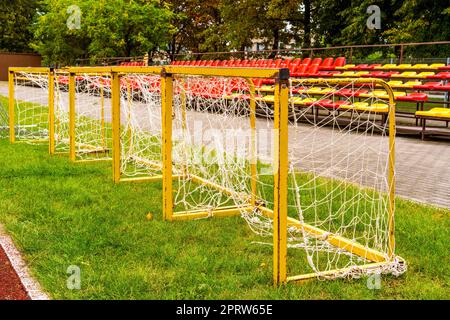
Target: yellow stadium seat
347,66
424,75
396,83
346,74
411,84
313,90
435,113
437,65
268,98
327,90
387,66
406,74
266,89
421,66
359,73
364,106
404,66
302,101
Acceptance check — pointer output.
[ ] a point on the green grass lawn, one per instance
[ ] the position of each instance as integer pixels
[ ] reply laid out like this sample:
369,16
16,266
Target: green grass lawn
61,214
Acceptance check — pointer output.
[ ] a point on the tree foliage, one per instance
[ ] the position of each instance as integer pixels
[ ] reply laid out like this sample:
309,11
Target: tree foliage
135,27
15,24
107,28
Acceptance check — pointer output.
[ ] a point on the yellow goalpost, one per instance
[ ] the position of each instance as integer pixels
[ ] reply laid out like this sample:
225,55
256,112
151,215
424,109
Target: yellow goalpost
307,164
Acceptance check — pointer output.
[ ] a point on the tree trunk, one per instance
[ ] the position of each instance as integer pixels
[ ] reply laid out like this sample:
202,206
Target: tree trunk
276,42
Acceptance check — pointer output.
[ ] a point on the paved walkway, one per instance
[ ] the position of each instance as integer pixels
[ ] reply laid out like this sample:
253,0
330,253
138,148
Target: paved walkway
422,167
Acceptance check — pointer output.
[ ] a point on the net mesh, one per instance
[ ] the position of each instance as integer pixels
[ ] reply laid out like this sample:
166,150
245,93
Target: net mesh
31,106
93,129
140,130
61,110
338,163
4,119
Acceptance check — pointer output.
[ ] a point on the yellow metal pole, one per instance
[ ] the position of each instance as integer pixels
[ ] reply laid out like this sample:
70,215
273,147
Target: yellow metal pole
72,153
12,134
115,97
166,97
391,177
51,111
253,160
102,105
280,181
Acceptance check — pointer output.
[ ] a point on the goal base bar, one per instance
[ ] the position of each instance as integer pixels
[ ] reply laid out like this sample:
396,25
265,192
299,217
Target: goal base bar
147,179
219,212
329,273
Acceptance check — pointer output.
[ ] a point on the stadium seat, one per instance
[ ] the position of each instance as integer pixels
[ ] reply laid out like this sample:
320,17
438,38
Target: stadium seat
427,86
437,65
387,66
364,106
425,75
346,74
414,97
345,67
440,76
421,66
306,61
359,67
297,61
435,113
406,74
299,70
327,62
316,61
302,101
350,93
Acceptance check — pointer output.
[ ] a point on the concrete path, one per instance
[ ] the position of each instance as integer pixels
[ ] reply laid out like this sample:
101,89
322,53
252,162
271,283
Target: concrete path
422,167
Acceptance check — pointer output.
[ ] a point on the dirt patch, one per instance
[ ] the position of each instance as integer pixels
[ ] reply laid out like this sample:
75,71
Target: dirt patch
11,287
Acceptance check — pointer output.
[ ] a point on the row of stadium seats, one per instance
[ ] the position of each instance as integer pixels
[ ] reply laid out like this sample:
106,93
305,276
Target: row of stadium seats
132,64
291,63
404,66
327,64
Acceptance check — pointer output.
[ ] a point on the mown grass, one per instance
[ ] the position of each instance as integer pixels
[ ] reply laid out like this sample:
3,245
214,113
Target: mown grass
63,214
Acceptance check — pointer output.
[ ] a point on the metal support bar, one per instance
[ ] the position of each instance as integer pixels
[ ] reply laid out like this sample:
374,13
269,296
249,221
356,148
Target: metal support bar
166,98
12,134
72,151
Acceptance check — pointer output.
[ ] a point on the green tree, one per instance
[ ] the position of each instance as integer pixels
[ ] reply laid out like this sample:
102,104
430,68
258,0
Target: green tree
16,19
107,29
422,21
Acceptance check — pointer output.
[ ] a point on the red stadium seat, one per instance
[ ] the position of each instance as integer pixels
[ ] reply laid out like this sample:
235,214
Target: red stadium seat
296,61
413,97
316,61
328,62
440,76
301,69
427,86
306,61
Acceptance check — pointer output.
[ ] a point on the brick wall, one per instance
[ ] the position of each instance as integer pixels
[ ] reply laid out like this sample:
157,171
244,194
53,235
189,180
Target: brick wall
17,60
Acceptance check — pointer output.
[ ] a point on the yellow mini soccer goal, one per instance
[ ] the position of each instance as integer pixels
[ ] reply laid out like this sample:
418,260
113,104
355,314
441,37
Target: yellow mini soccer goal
30,103
314,171
90,115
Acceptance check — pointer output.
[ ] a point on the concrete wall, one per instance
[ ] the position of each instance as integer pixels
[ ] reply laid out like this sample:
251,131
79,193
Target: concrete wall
17,60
